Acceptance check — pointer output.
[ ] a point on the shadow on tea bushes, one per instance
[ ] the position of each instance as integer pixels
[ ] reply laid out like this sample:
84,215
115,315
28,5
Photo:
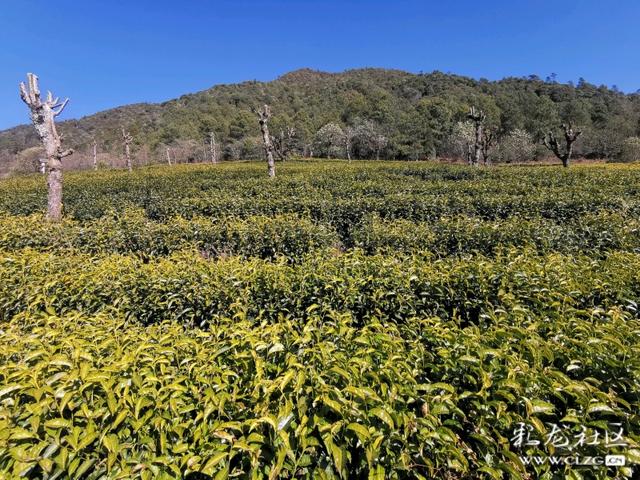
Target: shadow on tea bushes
132,232
595,234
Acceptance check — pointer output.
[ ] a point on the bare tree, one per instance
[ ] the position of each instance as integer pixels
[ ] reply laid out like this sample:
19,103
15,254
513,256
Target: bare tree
283,142
570,136
213,147
459,142
43,116
379,143
307,150
328,141
126,140
95,155
349,134
517,146
478,118
168,156
186,151
264,114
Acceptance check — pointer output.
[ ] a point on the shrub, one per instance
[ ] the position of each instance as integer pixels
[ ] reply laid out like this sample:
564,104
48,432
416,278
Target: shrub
458,142
630,151
596,234
338,195
94,397
329,141
196,291
131,232
516,147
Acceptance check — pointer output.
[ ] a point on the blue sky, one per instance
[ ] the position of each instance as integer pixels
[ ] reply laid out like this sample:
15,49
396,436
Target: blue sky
108,53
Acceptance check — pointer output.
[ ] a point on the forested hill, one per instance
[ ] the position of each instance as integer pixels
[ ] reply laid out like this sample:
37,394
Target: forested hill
415,115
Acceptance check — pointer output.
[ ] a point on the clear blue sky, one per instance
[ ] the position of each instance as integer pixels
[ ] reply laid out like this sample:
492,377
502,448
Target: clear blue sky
112,52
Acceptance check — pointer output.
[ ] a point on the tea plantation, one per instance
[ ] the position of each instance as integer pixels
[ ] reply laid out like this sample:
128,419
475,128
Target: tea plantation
364,320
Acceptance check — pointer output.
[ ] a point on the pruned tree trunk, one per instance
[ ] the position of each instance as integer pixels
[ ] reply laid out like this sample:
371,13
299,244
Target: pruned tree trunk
477,148
95,155
43,116
213,147
478,118
488,141
168,156
570,136
349,134
126,140
470,154
264,115
380,142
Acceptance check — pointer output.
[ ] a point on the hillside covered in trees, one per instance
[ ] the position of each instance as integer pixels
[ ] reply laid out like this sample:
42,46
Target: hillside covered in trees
366,113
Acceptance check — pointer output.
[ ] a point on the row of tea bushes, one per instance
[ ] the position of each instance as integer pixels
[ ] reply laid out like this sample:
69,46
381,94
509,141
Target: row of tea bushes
290,236
104,398
133,233
593,233
343,212
337,193
195,291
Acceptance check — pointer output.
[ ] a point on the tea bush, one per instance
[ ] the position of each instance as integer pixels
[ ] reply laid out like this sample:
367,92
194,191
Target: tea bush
378,320
593,233
195,290
338,193
104,397
131,232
